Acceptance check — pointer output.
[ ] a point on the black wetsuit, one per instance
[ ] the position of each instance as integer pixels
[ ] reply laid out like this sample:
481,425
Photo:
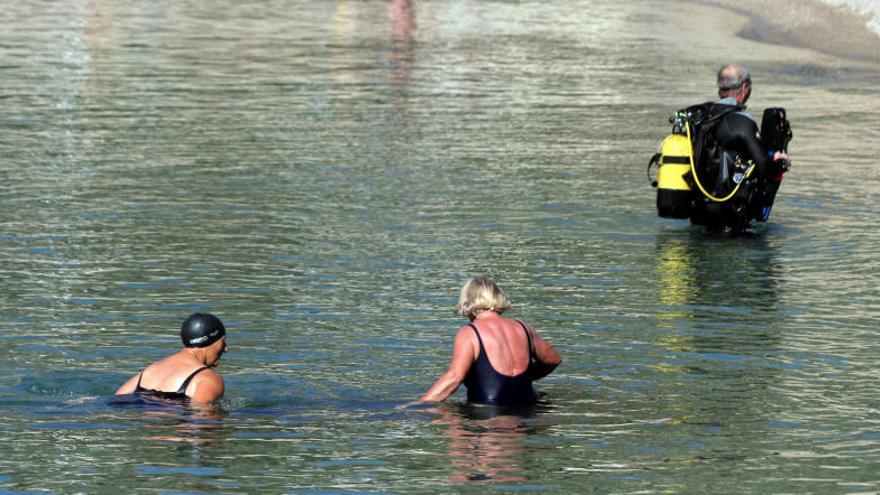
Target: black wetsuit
179,395
738,133
487,386
723,167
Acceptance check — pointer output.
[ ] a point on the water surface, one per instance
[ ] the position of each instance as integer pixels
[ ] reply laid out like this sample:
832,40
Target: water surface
324,176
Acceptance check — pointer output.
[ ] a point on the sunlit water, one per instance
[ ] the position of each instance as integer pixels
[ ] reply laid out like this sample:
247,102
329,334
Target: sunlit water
325,175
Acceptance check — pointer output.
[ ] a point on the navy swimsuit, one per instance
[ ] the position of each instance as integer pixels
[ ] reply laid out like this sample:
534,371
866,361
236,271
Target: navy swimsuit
180,394
487,386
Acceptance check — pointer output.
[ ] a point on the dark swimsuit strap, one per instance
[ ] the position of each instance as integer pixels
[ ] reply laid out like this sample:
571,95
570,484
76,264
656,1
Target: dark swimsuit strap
528,336
525,329
182,389
478,336
183,386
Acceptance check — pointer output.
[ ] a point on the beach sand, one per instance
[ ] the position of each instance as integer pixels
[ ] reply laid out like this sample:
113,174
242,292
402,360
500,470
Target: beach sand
704,29
838,30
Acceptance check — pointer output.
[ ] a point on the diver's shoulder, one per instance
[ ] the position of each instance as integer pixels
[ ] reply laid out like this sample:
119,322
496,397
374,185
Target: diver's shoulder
741,118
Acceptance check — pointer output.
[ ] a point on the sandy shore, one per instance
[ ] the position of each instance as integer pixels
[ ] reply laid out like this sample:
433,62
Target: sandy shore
706,34
811,24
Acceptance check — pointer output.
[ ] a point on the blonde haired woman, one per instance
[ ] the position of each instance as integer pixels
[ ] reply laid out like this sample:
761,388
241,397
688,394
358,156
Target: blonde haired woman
497,358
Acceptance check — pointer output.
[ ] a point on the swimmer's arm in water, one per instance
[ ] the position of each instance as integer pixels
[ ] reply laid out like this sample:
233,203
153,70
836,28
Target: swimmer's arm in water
547,359
128,387
463,356
206,387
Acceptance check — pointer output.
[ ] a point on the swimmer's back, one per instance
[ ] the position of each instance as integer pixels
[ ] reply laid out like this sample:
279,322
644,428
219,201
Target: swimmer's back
506,345
169,375
510,382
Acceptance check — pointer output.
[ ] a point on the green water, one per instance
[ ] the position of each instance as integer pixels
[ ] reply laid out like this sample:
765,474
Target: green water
325,175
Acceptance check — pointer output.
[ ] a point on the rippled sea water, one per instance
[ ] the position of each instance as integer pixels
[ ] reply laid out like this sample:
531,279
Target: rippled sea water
325,175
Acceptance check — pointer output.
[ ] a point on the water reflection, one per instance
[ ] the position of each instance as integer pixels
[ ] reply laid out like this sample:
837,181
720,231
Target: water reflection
402,56
717,311
176,421
677,277
485,443
714,272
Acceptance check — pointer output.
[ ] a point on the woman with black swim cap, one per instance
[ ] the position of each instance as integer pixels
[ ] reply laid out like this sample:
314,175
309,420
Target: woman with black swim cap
497,358
186,374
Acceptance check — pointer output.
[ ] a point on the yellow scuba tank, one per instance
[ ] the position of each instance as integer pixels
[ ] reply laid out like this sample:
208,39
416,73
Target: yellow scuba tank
676,164
673,190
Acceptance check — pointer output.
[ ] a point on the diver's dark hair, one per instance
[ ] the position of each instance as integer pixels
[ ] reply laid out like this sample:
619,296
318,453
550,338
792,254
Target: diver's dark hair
201,330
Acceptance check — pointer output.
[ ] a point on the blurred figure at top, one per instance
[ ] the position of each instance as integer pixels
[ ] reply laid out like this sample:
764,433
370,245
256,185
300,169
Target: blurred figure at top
403,19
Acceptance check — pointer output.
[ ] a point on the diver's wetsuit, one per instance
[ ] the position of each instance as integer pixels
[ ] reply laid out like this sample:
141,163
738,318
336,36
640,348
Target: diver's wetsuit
737,135
179,395
738,132
487,386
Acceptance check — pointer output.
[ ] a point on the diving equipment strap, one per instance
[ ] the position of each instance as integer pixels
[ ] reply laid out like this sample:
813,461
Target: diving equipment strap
697,177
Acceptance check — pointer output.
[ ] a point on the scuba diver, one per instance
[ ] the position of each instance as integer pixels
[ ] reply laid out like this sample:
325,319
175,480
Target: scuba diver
716,168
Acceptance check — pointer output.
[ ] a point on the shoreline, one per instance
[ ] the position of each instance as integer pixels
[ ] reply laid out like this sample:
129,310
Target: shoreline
837,31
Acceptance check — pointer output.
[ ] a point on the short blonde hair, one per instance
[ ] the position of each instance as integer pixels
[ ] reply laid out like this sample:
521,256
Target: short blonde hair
481,293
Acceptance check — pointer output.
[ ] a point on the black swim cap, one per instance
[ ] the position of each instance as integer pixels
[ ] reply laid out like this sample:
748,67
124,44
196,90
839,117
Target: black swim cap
201,330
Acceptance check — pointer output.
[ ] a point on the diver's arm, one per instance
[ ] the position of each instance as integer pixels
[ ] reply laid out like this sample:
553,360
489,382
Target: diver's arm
744,131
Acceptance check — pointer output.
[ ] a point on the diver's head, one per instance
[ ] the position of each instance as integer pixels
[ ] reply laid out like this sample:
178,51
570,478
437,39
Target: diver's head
201,330
735,81
481,294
